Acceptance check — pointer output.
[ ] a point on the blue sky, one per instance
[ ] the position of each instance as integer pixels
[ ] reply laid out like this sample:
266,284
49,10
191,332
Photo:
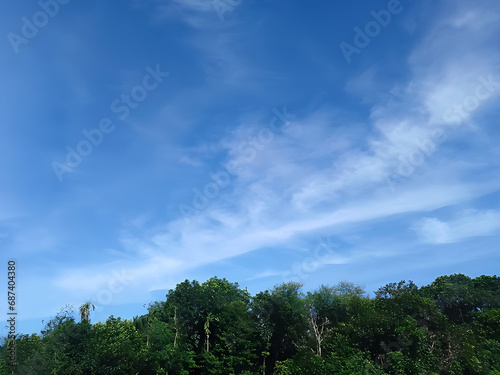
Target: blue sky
146,142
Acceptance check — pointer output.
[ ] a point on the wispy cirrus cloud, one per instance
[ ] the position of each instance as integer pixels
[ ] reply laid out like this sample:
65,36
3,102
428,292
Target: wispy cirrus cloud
325,171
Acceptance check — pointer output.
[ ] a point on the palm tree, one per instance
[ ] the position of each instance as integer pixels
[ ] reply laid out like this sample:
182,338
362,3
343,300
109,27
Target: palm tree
85,311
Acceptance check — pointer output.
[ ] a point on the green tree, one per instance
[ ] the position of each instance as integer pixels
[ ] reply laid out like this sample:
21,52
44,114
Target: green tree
210,317
455,296
119,348
282,321
327,307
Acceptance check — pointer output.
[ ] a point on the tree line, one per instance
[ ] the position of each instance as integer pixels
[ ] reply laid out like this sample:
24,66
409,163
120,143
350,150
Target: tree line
451,326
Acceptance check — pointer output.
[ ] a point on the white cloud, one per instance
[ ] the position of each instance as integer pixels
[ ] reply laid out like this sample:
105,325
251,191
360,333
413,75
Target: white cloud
468,224
445,67
265,274
321,173
432,230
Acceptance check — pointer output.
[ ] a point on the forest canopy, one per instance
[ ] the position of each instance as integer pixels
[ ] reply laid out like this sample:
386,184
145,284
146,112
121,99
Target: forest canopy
451,326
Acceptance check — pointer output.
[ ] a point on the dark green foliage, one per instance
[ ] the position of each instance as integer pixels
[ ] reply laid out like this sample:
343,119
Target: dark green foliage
450,327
